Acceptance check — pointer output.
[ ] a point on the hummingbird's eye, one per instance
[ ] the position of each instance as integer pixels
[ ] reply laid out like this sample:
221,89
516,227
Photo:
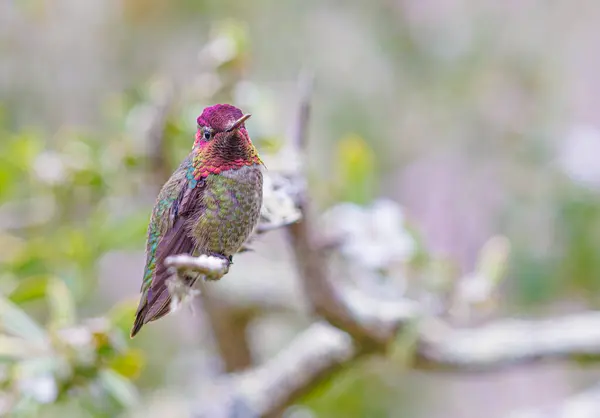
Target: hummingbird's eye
207,135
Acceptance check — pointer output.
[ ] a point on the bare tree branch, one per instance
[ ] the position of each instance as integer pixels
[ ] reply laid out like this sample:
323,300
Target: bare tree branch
286,377
305,88
508,342
311,262
229,330
583,405
265,390
210,266
322,349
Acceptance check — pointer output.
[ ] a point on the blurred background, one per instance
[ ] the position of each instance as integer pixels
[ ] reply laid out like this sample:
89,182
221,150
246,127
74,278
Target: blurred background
479,118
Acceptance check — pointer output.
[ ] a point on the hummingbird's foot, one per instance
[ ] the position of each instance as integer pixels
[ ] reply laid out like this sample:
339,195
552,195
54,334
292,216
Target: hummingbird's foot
228,262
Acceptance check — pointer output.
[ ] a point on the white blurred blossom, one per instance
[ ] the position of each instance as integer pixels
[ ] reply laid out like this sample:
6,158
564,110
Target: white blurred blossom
475,289
477,292
78,337
579,155
49,168
374,237
220,49
287,160
279,207
42,388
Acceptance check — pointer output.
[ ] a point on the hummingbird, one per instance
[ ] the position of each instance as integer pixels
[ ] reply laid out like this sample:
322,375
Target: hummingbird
210,205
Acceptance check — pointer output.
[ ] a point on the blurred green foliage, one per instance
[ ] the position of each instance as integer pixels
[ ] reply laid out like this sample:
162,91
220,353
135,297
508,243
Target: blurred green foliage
356,179
59,209
60,214
573,267
65,366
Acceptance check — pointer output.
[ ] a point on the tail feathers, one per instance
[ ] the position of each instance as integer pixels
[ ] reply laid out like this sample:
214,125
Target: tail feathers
145,315
156,300
140,318
137,324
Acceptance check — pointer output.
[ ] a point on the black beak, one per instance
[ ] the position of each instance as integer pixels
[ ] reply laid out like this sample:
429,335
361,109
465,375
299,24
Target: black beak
239,122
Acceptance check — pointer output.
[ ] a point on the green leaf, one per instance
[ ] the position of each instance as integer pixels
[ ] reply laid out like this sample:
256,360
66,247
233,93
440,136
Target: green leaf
15,321
119,387
62,305
129,364
13,348
355,170
29,289
8,180
269,144
23,149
